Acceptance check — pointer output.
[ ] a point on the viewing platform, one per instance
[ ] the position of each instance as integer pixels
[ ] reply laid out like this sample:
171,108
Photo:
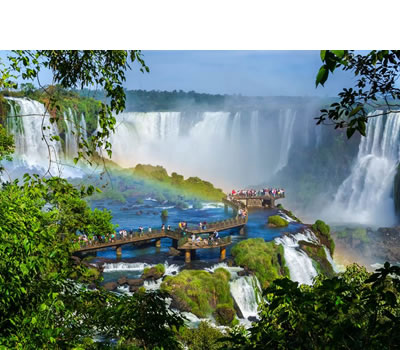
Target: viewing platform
253,201
181,240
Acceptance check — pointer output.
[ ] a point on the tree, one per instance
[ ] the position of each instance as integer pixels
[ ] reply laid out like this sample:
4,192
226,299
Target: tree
355,310
76,69
376,88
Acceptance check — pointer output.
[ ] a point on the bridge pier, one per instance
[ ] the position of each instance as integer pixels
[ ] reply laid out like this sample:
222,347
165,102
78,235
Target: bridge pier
187,256
222,254
158,243
175,243
241,230
118,249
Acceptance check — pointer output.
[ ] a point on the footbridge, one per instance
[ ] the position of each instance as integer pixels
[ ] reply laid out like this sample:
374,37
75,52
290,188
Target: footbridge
181,239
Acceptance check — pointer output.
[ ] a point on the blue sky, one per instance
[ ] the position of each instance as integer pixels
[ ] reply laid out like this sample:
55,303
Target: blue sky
252,73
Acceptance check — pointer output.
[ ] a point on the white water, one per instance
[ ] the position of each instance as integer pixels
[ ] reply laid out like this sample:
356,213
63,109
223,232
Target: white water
228,149
365,196
243,291
286,122
30,147
300,265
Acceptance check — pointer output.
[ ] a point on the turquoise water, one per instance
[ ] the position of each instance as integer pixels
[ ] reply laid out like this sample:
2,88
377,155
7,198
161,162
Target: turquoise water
131,215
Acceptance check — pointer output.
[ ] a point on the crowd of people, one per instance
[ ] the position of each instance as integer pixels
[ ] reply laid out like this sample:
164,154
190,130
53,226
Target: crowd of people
274,192
213,238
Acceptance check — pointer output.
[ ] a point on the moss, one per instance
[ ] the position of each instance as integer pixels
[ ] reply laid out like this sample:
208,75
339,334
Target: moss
224,314
164,213
154,272
322,230
277,221
199,291
264,259
318,256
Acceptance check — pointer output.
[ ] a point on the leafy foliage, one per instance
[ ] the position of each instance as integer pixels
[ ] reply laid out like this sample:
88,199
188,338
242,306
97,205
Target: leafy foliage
352,311
376,75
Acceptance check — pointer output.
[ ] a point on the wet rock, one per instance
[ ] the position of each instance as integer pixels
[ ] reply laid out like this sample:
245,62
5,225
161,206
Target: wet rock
92,286
153,273
76,260
179,304
252,319
133,289
122,281
135,282
243,273
110,286
174,252
224,315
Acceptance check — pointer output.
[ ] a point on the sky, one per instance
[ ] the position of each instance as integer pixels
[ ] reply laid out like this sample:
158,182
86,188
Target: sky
249,73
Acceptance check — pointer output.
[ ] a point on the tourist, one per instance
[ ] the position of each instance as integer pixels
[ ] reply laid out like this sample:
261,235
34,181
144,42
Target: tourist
149,229
200,226
162,227
168,228
205,225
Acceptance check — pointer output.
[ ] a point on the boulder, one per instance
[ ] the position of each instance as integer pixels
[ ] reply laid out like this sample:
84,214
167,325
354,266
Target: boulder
173,251
122,281
133,289
110,286
76,260
179,304
252,319
224,314
135,282
152,273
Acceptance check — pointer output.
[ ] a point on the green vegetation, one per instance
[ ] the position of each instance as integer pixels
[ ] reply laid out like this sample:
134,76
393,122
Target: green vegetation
322,231
318,255
205,337
264,259
164,213
202,293
277,221
153,181
154,272
354,310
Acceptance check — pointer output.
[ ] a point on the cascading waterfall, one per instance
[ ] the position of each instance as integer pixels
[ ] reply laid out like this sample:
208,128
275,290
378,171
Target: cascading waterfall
366,195
71,134
299,263
27,125
286,122
243,290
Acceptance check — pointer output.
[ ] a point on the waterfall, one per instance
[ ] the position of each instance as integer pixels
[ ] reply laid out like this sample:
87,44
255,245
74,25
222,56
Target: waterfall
71,134
27,127
366,195
286,122
243,290
300,265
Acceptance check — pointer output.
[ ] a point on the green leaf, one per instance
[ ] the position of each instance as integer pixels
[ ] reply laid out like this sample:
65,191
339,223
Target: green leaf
350,132
322,54
338,53
322,76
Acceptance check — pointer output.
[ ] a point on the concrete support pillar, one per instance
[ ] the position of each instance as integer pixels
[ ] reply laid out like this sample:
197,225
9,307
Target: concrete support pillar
187,256
158,242
118,249
222,255
193,254
241,231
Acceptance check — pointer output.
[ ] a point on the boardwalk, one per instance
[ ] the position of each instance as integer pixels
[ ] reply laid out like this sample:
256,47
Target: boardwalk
180,241
266,200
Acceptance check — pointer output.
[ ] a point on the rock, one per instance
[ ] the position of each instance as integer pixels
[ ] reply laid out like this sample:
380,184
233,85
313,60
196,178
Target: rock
123,280
92,286
133,289
110,286
252,319
243,273
173,251
173,273
224,315
179,304
153,273
76,260
135,282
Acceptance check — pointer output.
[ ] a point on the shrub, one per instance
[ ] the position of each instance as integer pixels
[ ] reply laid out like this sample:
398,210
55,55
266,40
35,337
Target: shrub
277,221
164,213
